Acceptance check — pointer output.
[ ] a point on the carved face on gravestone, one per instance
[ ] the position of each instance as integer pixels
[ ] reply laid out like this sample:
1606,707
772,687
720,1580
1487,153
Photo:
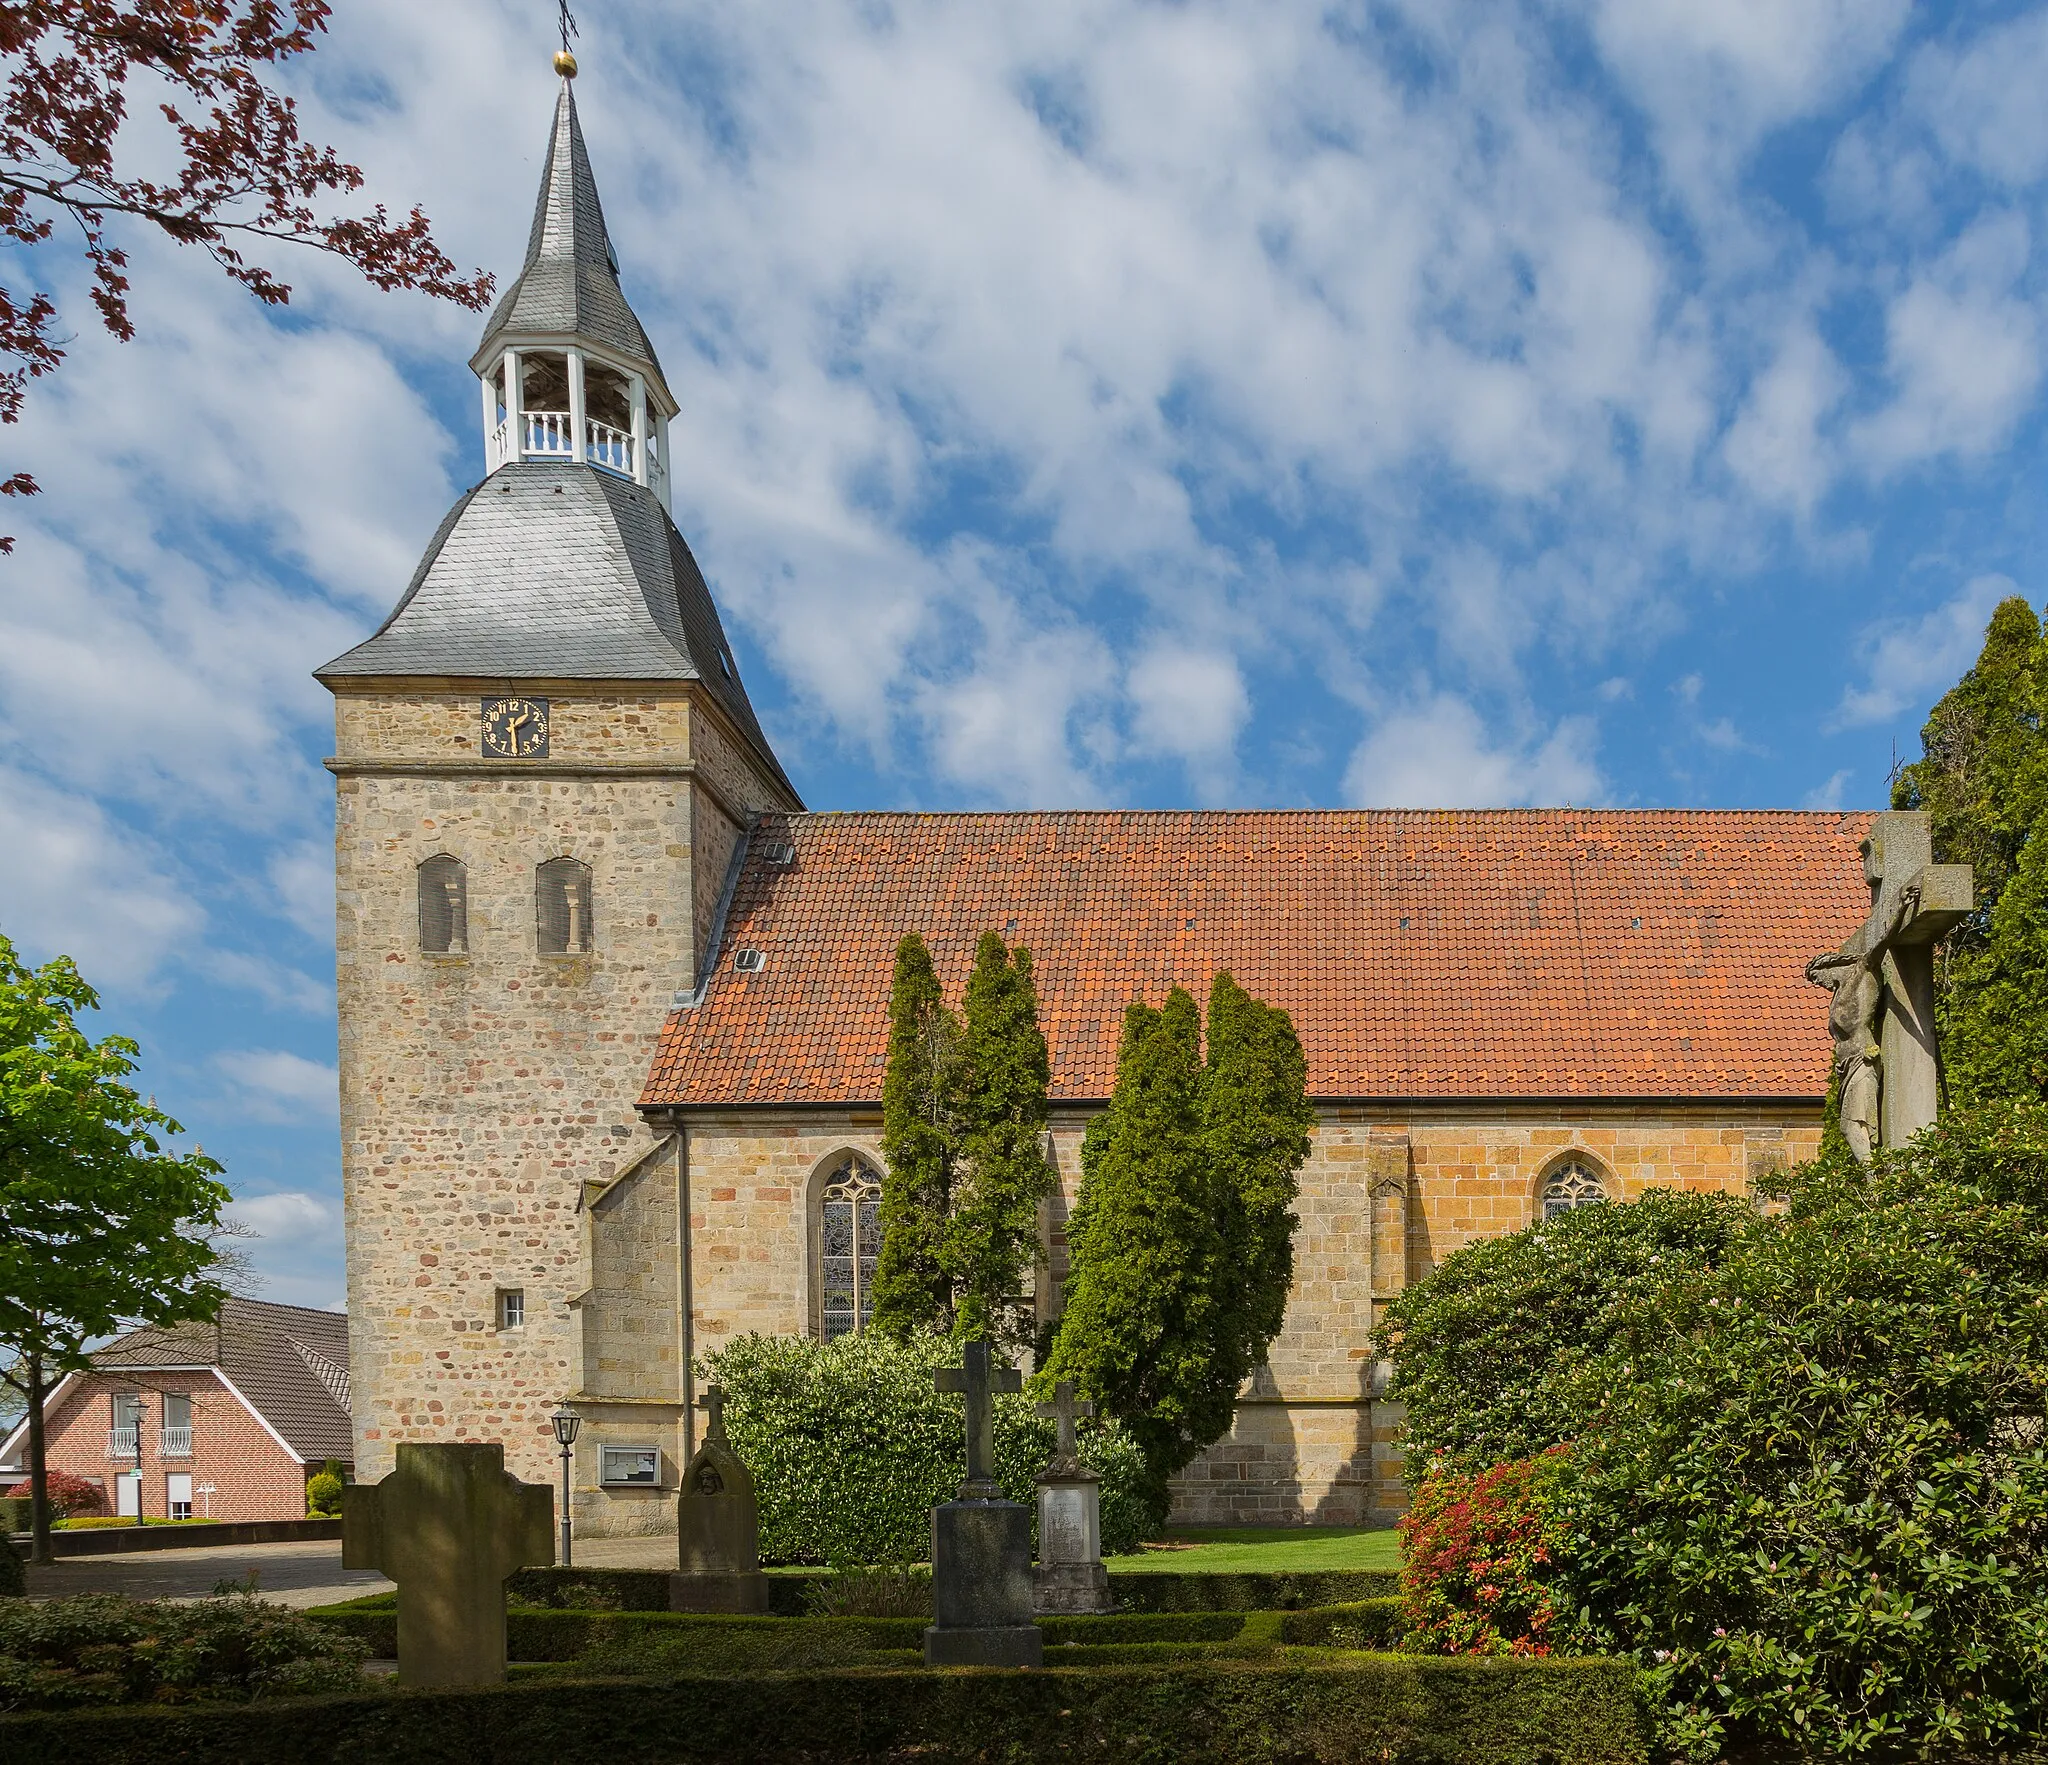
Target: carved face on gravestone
707,1481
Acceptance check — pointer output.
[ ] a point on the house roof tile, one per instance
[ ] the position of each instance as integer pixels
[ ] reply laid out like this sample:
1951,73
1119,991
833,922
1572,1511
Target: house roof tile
1422,954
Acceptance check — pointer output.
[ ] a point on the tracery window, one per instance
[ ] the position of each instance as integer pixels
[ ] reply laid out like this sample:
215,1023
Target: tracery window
444,907
1572,1184
849,1237
561,899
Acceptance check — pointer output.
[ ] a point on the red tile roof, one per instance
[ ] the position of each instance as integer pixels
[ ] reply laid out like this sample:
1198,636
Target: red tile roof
1494,953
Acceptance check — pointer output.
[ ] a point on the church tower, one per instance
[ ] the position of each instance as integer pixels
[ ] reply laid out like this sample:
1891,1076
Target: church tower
546,765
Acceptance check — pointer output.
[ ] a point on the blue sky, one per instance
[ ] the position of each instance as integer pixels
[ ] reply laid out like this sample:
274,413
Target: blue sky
1631,402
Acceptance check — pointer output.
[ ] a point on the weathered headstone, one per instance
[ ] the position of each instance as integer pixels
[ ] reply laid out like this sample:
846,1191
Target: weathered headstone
448,1525
1070,1575
981,1544
1882,978
718,1527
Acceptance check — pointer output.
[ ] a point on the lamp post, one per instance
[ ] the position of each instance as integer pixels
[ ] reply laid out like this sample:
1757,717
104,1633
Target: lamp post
140,1405
566,1421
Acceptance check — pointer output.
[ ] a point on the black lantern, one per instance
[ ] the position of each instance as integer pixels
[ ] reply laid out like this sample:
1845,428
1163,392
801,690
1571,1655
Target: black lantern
565,1422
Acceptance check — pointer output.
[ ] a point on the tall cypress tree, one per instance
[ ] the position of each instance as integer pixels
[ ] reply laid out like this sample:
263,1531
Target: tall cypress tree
1256,1120
1996,1025
920,1136
1004,1175
1139,1328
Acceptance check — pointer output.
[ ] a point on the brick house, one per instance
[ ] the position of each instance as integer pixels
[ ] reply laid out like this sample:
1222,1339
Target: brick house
231,1417
613,1005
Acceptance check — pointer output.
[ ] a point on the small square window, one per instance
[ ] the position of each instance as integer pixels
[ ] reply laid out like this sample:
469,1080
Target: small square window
632,1467
511,1308
749,961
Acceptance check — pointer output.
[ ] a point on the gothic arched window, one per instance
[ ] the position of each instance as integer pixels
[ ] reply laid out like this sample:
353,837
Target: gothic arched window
1572,1184
561,902
849,1238
444,907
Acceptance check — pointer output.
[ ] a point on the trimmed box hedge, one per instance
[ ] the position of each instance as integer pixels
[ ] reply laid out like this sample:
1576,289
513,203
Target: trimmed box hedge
1383,1708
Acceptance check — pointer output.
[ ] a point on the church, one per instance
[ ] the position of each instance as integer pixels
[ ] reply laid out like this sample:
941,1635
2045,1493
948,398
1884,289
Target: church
613,998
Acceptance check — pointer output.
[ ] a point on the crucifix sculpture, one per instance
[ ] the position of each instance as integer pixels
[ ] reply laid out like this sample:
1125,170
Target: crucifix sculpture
1064,1409
448,1525
978,1381
1881,1017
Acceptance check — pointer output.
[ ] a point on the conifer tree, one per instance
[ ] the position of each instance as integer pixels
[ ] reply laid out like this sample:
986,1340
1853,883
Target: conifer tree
1138,1333
1996,1024
1256,1120
1003,1172
920,1137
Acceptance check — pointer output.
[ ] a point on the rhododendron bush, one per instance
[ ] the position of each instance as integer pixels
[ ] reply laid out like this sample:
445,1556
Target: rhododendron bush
1476,1553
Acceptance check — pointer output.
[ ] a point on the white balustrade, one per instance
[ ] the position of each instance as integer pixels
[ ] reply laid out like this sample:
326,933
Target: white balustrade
501,444
548,432
120,1443
175,1443
609,447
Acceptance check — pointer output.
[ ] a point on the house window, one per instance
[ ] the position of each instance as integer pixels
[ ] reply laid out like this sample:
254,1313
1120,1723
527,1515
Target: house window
561,898
127,1424
630,1467
444,907
176,1439
178,1496
511,1308
1571,1185
849,1237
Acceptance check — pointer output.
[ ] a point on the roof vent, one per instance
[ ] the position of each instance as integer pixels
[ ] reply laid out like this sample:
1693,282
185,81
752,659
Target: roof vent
749,961
782,853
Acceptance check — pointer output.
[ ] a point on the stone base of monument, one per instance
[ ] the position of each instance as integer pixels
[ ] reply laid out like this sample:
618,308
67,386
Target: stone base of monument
981,1587
1071,1590
718,1593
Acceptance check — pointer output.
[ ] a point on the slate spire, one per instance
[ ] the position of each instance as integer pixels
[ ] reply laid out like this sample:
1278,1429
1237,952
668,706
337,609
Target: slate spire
568,287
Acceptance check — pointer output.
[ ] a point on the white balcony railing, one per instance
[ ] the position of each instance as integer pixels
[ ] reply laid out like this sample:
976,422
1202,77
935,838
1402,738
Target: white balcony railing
120,1443
547,432
609,447
175,1443
501,443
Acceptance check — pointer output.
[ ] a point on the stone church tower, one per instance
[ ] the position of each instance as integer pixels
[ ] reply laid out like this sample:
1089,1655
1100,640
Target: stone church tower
544,762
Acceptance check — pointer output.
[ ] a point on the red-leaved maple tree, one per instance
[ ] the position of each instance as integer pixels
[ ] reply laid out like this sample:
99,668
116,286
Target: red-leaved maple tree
242,173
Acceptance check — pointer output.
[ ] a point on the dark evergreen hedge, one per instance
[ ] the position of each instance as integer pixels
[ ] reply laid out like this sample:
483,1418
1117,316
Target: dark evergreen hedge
1387,1708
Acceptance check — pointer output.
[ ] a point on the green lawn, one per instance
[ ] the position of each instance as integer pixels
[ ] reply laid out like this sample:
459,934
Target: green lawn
1240,1550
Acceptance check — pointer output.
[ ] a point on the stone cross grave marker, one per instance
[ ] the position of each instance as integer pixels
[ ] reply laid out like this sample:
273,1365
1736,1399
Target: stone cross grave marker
718,1526
1881,1017
449,1525
1070,1576
981,1544
979,1382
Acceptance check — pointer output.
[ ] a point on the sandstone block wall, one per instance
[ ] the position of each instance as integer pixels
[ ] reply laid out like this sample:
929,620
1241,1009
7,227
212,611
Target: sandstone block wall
481,1092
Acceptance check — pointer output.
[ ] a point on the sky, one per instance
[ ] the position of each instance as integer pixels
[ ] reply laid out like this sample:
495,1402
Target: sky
1228,403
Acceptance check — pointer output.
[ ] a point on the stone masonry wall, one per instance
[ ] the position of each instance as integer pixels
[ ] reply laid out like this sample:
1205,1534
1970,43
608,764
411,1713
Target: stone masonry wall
1384,1197
480,1092
254,1477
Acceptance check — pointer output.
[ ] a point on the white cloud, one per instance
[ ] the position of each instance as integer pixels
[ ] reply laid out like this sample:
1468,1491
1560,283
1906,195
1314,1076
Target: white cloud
1187,703
1831,794
275,1085
77,883
289,1216
1775,445
1910,663
1439,755
1982,100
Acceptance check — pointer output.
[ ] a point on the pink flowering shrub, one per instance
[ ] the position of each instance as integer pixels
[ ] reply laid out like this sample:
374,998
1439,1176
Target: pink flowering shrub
1476,1555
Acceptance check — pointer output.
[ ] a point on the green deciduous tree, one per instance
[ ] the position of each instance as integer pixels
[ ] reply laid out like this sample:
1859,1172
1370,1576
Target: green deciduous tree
1181,1242
1004,1173
920,1144
101,1225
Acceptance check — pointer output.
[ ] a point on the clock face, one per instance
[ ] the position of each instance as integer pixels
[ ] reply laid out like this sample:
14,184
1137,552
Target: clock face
516,729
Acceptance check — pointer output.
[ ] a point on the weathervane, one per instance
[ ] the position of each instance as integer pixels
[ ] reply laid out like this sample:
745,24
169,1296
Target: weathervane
565,62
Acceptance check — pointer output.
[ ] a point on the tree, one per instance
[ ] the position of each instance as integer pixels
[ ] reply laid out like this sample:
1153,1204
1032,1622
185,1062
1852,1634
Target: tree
101,1226
239,169
1256,1120
920,1145
1004,1173
1996,1021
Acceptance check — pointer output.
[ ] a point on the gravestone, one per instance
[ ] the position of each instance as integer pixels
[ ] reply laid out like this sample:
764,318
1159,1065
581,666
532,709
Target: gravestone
981,1544
718,1527
1070,1577
1881,1016
448,1525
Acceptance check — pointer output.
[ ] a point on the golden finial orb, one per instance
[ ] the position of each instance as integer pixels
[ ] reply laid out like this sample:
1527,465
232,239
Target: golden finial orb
565,64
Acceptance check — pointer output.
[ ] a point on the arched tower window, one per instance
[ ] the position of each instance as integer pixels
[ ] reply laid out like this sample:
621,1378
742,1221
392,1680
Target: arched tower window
561,899
1572,1184
848,1234
444,907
